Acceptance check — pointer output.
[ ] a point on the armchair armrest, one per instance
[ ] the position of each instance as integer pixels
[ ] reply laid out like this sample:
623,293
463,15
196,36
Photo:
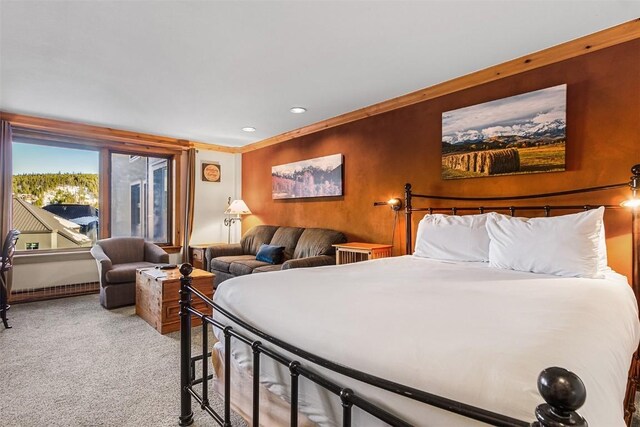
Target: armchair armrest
215,251
314,261
154,253
103,261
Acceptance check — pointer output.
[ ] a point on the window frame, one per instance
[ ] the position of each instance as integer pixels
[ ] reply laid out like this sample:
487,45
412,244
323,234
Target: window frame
50,132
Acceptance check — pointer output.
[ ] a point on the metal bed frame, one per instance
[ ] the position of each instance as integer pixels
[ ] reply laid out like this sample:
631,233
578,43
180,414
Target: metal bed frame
562,390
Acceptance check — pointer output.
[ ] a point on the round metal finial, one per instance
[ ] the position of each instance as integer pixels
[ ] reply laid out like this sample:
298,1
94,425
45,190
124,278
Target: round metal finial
186,269
564,393
635,169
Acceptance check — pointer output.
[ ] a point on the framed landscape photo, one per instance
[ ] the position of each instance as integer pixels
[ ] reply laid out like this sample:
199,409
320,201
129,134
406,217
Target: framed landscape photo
211,172
516,135
318,177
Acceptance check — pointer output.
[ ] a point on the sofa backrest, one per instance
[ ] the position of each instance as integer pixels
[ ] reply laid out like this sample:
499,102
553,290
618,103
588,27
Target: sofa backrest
123,249
287,237
255,237
318,241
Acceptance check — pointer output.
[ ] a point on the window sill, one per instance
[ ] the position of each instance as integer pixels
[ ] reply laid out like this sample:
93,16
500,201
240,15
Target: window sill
171,249
28,257
22,258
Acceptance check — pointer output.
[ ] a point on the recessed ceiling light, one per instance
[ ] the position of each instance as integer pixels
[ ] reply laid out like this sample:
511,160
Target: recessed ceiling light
249,129
298,110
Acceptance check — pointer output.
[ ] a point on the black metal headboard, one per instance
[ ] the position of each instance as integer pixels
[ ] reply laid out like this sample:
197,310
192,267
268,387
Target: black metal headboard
454,210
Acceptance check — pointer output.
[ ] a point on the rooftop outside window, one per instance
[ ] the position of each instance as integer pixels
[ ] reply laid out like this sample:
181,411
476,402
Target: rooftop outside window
55,196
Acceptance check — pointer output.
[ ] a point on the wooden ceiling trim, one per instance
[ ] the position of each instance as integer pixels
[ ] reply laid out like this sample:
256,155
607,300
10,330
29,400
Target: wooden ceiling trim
111,137
213,147
622,33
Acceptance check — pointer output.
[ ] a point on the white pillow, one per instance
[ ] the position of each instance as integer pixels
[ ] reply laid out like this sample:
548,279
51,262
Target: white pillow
603,262
452,237
568,245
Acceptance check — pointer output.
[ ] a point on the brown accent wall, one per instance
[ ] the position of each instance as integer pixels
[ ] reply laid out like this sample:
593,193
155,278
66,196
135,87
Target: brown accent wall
383,152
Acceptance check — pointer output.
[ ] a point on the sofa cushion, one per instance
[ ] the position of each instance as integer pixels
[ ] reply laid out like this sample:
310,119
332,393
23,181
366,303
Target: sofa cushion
240,268
267,268
287,237
271,253
258,235
125,272
222,263
318,241
123,249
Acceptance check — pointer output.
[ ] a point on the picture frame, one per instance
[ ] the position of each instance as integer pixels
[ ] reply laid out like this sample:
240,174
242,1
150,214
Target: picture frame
211,172
311,178
519,134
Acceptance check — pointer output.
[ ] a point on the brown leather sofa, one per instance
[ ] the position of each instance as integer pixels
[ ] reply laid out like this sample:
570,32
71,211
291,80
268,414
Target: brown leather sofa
304,247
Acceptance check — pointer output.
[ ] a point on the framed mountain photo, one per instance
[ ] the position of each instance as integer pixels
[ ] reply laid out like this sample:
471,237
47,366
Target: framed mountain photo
516,135
318,177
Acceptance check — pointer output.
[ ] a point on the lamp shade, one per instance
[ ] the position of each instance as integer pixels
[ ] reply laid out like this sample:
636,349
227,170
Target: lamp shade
238,207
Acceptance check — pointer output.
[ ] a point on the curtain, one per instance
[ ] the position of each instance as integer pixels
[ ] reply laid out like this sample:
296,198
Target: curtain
5,188
189,202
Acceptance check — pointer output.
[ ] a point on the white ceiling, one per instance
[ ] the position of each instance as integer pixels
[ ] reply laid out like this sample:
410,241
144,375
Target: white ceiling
202,70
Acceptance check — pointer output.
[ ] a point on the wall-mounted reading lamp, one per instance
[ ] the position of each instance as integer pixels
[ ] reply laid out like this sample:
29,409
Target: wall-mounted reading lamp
634,182
394,203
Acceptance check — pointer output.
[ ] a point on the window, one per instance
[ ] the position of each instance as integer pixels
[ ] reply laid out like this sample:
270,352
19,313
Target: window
140,197
136,209
55,196
68,180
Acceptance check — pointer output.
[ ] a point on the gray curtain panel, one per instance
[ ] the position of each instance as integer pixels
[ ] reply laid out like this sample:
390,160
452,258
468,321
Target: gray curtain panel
5,187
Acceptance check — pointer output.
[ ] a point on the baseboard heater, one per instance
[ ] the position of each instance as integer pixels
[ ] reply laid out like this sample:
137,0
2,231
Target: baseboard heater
53,292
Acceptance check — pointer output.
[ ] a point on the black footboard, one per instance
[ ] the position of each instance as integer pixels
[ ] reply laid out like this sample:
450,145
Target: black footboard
563,391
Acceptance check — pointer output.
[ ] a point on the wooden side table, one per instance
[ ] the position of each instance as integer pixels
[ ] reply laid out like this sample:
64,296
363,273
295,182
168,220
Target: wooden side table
157,297
347,253
196,254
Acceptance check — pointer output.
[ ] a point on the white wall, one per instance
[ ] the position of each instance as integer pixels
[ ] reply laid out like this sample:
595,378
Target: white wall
211,198
210,203
58,273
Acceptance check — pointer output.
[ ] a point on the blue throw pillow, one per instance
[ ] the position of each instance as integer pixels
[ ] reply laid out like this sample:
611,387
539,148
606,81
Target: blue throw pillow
270,253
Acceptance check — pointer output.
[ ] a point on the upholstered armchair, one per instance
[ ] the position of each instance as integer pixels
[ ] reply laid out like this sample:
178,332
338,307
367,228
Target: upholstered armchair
117,259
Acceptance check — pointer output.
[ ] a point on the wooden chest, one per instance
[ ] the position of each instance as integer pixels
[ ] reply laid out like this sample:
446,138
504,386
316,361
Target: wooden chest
157,297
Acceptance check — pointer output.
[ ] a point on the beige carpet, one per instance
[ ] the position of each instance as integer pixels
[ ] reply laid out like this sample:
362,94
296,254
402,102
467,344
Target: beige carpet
69,362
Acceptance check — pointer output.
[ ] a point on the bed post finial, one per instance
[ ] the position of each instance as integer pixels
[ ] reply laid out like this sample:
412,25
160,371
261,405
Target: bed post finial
186,413
564,393
407,217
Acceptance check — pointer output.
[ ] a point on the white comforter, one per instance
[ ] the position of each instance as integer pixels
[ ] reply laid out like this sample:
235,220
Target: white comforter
462,330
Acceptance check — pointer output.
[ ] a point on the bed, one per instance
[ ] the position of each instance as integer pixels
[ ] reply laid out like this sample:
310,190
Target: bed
472,359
